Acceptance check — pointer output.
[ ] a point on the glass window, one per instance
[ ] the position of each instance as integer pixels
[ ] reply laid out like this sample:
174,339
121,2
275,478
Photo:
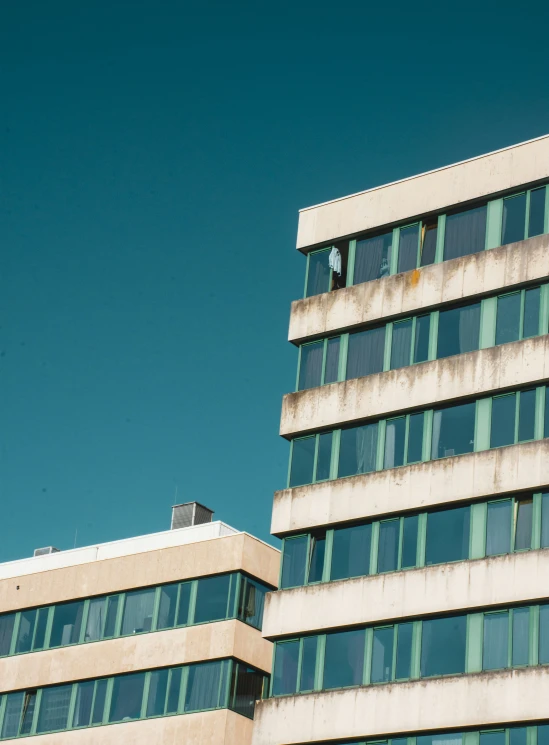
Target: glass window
26,631
27,714
421,342
514,219
428,242
344,659
521,626
395,433
546,415
308,663
523,522
492,738
465,233
409,542
517,736
401,344
332,360
407,248
138,611
495,648
447,535
537,212
451,738
458,330
324,459
285,668
365,353
303,457
502,428
246,689
168,603
206,686
498,528
7,622
543,734
453,430
213,599
527,415
252,602
174,687
404,650
531,312
310,366
443,646
389,533
373,258
508,318
415,438
158,686
98,712
545,520
382,655
358,450
317,549
544,634
112,611
54,709
83,705
96,618
127,696
41,625
67,620
293,562
12,714
318,273
351,551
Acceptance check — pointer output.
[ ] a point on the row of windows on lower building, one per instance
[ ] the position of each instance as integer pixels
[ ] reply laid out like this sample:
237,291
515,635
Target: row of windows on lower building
465,643
158,608
430,240
223,684
429,336
533,735
439,536
481,424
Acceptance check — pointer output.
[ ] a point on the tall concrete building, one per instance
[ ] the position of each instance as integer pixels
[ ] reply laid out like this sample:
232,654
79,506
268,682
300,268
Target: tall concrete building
414,594
153,640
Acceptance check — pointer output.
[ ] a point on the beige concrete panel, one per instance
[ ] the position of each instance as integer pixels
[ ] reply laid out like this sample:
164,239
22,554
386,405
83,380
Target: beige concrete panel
496,698
417,386
421,289
227,554
207,641
221,727
460,478
465,585
428,192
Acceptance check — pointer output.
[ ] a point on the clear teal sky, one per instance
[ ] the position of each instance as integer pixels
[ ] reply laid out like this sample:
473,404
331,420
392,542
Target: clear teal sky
153,156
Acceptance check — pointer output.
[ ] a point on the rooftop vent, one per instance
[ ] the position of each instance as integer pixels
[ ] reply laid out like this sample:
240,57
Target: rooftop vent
46,550
190,513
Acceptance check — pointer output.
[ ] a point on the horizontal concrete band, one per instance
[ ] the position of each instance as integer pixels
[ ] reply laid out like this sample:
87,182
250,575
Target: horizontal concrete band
182,646
481,700
227,554
428,192
465,585
221,727
424,385
396,490
471,277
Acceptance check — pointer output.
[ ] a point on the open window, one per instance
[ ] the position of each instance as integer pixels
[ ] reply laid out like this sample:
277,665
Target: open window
327,269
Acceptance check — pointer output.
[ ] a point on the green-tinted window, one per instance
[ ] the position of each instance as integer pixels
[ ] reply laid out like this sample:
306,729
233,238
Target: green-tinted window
12,714
508,318
318,273
447,535
127,697
110,622
358,450
544,634
310,366
331,366
308,663
324,458
252,602
158,686
523,523
395,437
532,300
465,233
458,330
138,611
344,659
545,520
404,650
527,415
415,438
521,633
317,549
7,622
98,712
174,687
382,654
96,618
54,709
502,428
214,598
537,212
453,430
67,620
443,646
184,604
401,345
286,660
407,248
495,648
514,219
168,604
498,527
387,557
421,341
293,562
409,542
373,258
303,457
365,353
351,551
206,686
492,738
428,242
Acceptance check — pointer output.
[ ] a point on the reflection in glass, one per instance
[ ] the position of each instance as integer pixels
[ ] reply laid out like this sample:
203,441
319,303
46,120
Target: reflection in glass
174,688
415,438
318,276
310,366
514,218
395,433
447,535
251,603
332,360
110,622
502,428
96,618
365,353
527,415
498,528
158,685
184,604
521,626
453,431
206,686
508,318
401,344
382,655
98,712
344,659
428,242
214,598
373,258
166,611
26,631
443,646
127,696
407,248
83,705
458,330
531,312
545,521
138,611
351,552
285,668
7,622
523,522
465,233
387,558
409,542
293,562
537,212
492,738
404,650
421,343
358,450
324,456
517,736
303,456
308,663
316,562
495,647
452,738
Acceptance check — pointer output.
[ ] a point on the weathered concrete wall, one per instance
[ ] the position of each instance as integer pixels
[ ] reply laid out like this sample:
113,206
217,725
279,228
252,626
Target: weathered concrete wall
422,289
459,478
465,585
423,385
208,641
221,727
496,698
227,554
428,192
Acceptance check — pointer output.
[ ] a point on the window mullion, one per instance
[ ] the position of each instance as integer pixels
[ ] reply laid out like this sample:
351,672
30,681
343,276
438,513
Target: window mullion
319,667
395,645
433,335
400,541
315,459
183,690
441,230
406,437
36,711
324,356
527,213
536,520
421,539
394,251
192,602
413,339
517,412
521,315
368,649
351,263
388,346
49,626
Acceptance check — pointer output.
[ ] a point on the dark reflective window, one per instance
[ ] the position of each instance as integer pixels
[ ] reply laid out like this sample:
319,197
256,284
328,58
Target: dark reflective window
7,622
27,714
174,688
184,604
156,699
251,602
316,561
502,429
344,659
12,714
407,248
110,621
415,438
508,318
98,711
318,276
324,456
543,734
465,233
523,520
310,366
26,631
293,562
127,697
544,634
387,557
492,738
517,736
421,343
527,415
531,312
246,689
409,542
206,686
42,622
373,258
382,655
447,535
358,450
214,598
401,344
428,242
332,360
521,629
404,650
308,663
303,457
458,330
514,219
365,354
495,647
395,433
453,431
166,611
537,212
498,527
443,646
351,552
138,611
285,668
